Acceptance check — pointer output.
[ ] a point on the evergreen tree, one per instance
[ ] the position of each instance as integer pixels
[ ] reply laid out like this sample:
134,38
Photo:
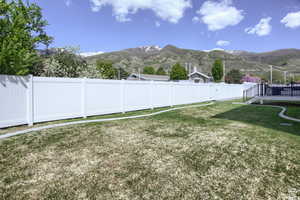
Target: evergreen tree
217,70
178,72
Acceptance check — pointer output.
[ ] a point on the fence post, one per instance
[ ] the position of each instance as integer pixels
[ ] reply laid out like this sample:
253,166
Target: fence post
151,94
30,113
171,93
292,89
83,97
122,96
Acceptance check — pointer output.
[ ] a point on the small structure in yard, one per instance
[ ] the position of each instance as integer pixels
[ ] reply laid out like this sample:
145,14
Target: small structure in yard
265,92
148,77
198,77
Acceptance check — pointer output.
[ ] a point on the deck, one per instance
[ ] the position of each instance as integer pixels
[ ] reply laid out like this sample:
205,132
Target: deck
274,98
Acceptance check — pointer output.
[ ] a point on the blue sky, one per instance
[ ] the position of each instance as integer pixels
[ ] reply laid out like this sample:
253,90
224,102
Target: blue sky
110,25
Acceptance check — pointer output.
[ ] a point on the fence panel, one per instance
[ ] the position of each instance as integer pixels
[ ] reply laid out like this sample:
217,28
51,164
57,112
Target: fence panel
13,100
137,95
24,100
102,97
56,98
161,92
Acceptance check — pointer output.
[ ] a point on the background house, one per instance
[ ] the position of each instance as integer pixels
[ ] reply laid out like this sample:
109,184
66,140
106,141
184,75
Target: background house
198,77
195,76
148,77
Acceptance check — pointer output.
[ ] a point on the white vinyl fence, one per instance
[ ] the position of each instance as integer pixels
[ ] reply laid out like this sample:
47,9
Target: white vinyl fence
28,99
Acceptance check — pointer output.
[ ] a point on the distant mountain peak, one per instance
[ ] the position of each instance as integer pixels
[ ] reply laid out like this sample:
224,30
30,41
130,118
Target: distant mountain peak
169,46
150,48
248,62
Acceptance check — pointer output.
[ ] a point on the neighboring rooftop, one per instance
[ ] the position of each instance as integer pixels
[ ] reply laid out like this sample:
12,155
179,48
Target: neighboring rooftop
149,77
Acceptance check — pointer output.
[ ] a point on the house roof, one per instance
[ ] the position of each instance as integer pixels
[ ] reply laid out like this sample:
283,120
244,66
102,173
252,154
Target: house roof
201,74
151,77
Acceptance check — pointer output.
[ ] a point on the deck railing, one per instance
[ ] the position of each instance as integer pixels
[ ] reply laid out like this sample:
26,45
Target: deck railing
252,92
282,90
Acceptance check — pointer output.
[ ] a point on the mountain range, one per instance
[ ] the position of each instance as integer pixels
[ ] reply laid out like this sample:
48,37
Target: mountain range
135,59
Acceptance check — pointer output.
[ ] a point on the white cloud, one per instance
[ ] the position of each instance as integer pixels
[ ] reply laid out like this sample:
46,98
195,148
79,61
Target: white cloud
157,24
263,28
86,54
291,20
169,10
196,19
218,15
68,2
223,43
214,49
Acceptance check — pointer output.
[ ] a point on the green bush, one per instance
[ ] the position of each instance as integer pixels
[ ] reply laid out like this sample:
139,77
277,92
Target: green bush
149,70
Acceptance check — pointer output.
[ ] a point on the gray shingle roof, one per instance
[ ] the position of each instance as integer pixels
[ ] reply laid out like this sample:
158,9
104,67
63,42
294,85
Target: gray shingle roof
151,77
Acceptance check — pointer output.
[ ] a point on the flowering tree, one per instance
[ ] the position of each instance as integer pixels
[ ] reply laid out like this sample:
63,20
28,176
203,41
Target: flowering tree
251,79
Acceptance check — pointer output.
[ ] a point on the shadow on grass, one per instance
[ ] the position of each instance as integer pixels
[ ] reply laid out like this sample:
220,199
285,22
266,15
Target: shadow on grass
261,116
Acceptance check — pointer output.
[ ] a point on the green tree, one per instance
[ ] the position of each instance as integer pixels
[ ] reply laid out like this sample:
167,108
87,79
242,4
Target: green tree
61,62
178,72
122,73
21,31
217,70
234,76
106,69
160,71
149,70
277,77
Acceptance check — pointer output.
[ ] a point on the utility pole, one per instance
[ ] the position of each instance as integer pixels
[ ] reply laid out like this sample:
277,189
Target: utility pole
139,74
271,74
224,70
285,77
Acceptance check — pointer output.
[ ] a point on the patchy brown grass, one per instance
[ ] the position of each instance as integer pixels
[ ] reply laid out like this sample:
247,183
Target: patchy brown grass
216,152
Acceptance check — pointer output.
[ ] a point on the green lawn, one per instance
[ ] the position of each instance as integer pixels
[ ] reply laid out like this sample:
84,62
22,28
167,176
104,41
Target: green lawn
223,151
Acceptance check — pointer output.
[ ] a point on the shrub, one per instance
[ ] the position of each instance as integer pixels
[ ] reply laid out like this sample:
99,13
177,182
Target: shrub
149,70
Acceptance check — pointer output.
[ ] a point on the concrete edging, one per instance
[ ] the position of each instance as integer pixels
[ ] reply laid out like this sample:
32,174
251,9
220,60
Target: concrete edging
7,135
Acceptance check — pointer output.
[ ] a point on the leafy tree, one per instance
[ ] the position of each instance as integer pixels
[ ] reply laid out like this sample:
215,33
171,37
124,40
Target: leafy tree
106,69
234,76
149,70
178,72
217,70
297,78
277,77
21,31
61,62
122,73
160,71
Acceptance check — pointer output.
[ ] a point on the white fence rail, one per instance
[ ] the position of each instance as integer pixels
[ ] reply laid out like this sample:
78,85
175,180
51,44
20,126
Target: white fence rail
27,100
